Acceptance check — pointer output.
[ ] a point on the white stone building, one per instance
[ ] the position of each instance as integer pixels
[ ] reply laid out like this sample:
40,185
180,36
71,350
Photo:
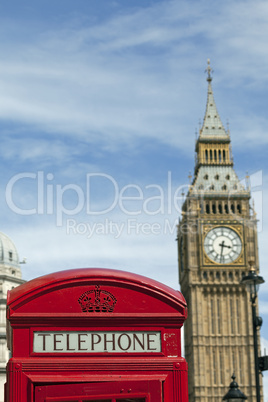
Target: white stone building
10,277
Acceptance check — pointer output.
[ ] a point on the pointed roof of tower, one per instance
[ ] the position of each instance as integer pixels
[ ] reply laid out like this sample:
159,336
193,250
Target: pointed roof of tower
212,126
214,173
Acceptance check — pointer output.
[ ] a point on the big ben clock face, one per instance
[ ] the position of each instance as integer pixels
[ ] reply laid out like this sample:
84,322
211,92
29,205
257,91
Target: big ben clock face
222,245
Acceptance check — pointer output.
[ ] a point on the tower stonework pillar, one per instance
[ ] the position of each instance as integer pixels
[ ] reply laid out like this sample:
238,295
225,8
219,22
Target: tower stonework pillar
217,239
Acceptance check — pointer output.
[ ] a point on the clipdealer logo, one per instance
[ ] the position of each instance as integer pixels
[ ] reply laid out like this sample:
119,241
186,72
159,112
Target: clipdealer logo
130,226
64,201
145,210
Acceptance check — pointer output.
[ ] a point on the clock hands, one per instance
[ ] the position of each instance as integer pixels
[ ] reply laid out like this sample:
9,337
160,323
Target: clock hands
222,245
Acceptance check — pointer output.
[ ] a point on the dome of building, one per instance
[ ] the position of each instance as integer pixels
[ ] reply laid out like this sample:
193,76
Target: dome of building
8,253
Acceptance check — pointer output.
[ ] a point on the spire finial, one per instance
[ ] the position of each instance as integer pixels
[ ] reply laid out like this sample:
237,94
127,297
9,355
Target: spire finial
209,71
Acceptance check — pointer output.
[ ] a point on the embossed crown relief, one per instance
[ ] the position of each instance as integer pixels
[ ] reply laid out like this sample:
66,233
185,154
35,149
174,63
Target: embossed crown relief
97,301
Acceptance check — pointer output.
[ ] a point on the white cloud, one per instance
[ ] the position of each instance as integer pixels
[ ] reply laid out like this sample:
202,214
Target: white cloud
98,82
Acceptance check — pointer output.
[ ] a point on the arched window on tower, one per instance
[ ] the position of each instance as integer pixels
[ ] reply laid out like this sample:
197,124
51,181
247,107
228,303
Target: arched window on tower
220,156
231,315
210,155
207,208
234,361
240,366
238,208
232,208
221,368
219,315
214,208
215,367
220,208
237,312
206,155
226,208
212,316
215,155
223,155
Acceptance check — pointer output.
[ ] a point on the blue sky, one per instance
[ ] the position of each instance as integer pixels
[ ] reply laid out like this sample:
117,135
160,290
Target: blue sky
117,89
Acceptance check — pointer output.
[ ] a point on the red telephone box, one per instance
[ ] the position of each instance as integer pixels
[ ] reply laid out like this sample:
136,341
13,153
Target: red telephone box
95,335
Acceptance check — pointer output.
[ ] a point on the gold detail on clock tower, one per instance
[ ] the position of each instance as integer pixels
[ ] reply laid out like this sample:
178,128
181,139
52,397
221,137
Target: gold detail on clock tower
217,236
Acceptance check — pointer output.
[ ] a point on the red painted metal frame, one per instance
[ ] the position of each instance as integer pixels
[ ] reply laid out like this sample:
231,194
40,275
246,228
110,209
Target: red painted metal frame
55,302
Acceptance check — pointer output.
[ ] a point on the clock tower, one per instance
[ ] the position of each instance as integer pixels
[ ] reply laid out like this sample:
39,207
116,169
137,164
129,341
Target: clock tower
217,241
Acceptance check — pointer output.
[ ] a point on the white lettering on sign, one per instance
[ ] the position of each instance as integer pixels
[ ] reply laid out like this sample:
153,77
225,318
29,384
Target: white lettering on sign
97,342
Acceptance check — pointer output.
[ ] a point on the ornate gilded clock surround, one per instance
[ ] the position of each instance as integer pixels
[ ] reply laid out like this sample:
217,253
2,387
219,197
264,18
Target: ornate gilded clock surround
207,226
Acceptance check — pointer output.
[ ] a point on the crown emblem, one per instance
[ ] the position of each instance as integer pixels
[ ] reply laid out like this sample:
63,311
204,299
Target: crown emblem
97,300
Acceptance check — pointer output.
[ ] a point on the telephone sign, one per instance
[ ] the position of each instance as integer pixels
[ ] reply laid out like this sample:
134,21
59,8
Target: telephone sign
96,342
95,335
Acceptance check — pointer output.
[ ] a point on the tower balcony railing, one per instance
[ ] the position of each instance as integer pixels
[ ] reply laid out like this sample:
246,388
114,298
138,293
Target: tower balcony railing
208,161
225,139
210,194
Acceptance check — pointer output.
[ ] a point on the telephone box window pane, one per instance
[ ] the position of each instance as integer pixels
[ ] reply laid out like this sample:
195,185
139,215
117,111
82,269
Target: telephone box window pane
117,400
131,400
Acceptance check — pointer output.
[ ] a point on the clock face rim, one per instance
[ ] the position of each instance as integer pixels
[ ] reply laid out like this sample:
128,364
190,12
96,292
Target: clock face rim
217,246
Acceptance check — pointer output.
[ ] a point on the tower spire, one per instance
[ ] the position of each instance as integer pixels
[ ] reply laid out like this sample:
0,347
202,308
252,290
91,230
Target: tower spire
214,173
212,124
209,71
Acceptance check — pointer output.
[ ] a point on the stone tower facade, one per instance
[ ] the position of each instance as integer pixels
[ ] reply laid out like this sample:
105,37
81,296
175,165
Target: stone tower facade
10,277
217,240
